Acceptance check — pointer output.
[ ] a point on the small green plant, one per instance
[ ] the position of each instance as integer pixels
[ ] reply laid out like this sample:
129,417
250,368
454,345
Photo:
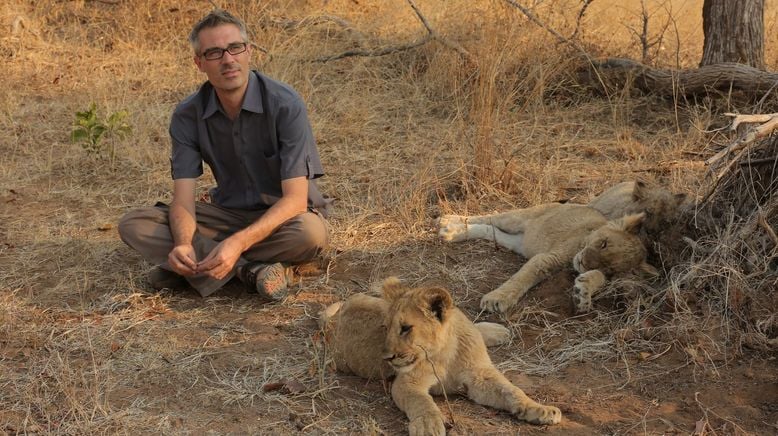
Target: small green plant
90,130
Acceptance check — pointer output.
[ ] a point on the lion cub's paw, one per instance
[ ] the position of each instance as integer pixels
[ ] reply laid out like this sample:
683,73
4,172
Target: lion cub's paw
429,424
586,285
452,228
497,301
493,334
539,414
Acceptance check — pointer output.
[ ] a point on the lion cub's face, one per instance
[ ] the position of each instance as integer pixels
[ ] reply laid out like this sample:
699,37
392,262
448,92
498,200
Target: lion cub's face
660,206
416,323
614,248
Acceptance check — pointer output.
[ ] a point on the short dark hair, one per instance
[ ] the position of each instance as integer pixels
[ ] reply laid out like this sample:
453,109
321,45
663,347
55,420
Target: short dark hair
216,17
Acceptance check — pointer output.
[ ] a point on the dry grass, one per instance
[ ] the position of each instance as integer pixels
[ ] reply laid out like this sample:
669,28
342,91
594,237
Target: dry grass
86,347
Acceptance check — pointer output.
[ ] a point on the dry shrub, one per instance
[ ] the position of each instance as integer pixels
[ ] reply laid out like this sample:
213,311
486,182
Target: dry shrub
734,264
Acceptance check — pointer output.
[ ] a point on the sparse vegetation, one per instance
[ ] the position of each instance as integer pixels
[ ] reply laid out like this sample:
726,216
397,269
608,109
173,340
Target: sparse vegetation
86,347
91,131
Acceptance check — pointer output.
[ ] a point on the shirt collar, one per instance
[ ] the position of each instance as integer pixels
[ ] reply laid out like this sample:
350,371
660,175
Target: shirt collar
252,101
212,105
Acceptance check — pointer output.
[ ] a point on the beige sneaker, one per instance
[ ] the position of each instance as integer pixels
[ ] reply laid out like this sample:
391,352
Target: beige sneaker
269,280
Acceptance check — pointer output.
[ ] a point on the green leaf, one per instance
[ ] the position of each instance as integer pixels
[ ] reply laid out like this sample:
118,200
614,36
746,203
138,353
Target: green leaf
116,118
78,135
97,131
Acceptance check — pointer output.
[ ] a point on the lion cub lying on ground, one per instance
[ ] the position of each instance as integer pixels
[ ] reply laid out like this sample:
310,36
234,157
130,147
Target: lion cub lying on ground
660,205
419,335
552,236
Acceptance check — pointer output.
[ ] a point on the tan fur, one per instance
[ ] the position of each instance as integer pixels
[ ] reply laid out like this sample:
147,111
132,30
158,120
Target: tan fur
552,236
660,205
419,335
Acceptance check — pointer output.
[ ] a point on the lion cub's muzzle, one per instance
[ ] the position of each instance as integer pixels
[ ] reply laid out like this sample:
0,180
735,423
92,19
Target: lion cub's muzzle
578,264
400,361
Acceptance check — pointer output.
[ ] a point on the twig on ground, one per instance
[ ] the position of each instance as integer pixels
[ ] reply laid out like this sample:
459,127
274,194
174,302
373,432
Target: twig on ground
767,228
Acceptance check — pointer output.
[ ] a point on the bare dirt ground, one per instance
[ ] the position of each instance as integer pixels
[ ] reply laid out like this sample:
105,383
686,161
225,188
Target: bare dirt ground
86,347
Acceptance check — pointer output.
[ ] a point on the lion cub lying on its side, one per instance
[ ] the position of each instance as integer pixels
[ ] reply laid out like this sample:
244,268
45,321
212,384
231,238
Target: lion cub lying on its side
552,236
660,205
419,335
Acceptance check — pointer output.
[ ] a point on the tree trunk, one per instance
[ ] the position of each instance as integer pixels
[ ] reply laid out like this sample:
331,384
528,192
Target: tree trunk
734,32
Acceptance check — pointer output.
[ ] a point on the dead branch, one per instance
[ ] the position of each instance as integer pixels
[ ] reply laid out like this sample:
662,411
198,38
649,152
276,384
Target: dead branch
431,35
769,123
535,20
768,229
619,72
289,24
581,13
757,118
740,145
528,13
755,162
375,52
645,45
450,44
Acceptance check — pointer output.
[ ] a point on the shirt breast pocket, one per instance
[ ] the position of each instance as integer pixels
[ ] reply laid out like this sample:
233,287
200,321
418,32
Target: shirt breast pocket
273,167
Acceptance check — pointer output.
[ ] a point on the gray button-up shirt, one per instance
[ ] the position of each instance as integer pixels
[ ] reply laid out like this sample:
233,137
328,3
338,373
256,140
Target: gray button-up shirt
247,164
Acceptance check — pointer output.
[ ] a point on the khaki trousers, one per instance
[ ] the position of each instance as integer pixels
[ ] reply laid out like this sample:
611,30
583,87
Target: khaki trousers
298,240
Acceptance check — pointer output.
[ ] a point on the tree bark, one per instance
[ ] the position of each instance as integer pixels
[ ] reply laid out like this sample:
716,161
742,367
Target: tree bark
734,32
615,73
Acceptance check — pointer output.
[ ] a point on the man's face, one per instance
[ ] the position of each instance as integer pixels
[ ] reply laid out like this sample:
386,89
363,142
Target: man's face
231,72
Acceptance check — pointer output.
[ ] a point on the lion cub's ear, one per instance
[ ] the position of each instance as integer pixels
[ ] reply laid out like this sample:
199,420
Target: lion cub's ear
438,302
392,288
632,223
640,191
679,199
647,269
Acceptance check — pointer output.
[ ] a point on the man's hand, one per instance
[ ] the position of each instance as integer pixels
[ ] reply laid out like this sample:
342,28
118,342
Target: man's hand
221,260
183,260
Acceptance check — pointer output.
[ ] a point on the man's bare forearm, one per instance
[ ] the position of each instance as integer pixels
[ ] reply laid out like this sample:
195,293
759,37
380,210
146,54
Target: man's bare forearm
222,258
182,224
182,212
285,209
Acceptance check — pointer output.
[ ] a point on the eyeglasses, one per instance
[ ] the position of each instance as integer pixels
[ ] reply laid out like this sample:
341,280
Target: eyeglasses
216,53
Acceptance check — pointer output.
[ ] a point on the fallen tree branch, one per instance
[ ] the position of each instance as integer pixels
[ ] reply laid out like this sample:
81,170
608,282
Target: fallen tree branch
769,123
669,83
740,145
754,162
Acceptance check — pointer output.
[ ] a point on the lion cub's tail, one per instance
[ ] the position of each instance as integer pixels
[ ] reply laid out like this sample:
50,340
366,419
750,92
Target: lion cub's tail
326,315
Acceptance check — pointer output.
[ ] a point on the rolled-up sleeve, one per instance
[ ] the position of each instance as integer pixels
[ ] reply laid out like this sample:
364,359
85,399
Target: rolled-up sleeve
185,159
297,147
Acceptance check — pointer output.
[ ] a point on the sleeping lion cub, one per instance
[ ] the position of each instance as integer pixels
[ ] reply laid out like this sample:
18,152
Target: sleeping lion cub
552,236
432,347
660,205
